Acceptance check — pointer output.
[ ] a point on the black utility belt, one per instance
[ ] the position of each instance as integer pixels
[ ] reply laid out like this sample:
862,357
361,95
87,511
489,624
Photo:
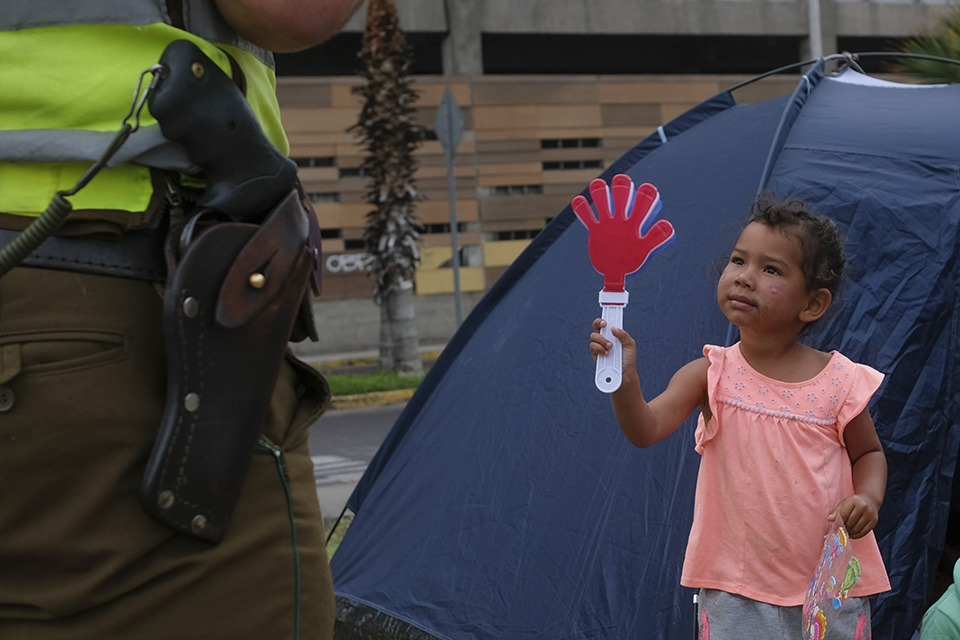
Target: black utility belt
136,254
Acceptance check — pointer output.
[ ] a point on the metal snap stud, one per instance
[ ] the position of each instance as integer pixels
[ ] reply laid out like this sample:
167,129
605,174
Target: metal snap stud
198,524
197,69
191,307
166,499
191,402
257,280
7,399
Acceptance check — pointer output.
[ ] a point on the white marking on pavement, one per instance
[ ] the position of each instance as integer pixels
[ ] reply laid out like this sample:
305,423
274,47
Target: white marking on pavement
337,470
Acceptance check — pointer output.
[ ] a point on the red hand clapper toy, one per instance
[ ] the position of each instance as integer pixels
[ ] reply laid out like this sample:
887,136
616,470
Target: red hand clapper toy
622,236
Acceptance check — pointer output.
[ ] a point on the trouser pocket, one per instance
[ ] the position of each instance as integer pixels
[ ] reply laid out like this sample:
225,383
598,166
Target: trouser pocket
53,352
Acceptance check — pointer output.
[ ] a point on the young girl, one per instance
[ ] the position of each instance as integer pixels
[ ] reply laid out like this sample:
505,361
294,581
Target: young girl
788,447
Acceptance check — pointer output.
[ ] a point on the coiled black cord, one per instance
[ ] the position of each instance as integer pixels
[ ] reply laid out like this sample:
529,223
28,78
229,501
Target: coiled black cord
48,222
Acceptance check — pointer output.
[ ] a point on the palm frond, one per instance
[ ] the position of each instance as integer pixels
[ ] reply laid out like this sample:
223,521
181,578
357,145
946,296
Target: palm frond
942,42
390,136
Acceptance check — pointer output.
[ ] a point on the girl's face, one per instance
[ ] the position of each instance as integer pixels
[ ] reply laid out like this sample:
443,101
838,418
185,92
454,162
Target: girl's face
762,287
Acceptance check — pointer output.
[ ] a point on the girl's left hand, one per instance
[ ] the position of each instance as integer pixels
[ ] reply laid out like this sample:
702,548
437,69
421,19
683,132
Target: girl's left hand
857,513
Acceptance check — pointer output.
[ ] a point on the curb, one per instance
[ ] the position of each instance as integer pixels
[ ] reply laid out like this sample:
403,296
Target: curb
335,362
350,361
374,398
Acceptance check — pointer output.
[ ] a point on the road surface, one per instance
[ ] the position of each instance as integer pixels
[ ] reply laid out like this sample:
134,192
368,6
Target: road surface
342,443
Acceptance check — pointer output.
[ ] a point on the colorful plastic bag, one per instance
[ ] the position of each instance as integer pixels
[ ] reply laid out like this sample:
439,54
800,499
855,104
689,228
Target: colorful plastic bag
837,571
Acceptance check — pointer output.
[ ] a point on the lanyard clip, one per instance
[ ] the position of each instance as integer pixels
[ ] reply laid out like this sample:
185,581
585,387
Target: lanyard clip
140,95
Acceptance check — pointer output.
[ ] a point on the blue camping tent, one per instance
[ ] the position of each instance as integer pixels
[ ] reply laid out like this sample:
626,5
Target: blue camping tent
505,503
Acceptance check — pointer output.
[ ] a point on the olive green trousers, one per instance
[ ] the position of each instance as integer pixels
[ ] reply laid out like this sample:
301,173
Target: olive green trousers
82,383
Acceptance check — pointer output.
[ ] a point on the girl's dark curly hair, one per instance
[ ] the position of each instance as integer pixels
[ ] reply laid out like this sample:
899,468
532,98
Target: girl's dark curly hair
821,241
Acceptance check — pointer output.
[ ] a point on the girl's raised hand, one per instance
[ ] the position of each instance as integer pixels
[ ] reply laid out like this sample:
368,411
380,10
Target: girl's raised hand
600,346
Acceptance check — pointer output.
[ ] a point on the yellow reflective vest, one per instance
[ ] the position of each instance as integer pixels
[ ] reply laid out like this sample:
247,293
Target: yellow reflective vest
68,74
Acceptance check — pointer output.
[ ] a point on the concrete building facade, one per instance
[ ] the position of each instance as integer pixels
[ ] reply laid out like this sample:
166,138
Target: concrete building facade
465,25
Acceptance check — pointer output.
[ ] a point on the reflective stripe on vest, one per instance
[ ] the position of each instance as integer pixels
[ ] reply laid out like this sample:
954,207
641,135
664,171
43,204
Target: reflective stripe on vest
147,147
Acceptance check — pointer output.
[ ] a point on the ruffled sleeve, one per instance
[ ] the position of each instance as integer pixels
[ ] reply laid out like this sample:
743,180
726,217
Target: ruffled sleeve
866,381
707,430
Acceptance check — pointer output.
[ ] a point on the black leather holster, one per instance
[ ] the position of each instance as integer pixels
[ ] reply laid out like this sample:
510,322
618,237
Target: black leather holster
233,296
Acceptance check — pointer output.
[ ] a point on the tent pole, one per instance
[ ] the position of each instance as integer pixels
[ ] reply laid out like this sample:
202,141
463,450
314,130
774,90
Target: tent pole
850,57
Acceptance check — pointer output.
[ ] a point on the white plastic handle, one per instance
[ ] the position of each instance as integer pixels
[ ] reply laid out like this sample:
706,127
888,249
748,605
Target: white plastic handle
610,366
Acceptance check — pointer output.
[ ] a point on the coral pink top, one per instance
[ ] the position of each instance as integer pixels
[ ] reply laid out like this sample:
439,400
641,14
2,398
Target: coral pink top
773,468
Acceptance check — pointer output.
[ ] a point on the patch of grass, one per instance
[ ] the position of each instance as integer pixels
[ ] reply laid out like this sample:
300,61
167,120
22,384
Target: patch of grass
333,543
350,384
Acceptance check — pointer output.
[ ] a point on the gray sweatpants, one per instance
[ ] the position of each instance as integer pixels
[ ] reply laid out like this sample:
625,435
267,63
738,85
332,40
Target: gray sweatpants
727,616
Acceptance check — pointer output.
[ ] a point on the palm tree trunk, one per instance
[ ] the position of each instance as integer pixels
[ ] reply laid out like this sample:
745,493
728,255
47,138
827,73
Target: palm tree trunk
399,343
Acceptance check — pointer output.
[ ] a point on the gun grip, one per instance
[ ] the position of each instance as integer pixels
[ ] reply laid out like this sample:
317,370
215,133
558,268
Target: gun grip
200,107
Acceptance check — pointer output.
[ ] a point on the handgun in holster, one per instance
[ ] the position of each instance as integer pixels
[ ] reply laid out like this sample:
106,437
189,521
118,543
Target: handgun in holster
240,271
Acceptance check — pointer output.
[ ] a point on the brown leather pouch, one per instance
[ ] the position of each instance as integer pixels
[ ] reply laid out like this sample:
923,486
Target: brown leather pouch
232,300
